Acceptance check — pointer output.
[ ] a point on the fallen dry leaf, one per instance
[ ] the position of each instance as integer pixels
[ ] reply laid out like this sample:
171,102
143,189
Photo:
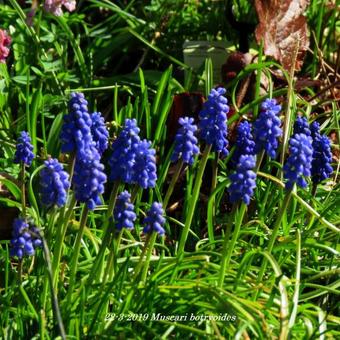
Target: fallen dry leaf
283,29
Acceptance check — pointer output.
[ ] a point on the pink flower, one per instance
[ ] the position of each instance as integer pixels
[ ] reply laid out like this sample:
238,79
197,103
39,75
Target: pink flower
5,41
54,6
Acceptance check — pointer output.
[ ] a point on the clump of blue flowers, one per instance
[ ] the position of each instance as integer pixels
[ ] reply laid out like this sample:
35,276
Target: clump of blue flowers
54,183
267,128
144,167
123,154
154,220
76,134
23,242
99,132
299,162
24,149
213,121
124,211
185,141
89,179
245,144
243,180
301,126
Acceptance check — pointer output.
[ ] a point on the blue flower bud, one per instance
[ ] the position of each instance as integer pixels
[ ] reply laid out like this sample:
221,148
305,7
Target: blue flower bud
99,132
124,212
185,141
213,121
322,158
23,243
301,126
154,220
267,128
245,144
123,154
89,179
243,180
54,183
144,167
75,133
299,162
24,149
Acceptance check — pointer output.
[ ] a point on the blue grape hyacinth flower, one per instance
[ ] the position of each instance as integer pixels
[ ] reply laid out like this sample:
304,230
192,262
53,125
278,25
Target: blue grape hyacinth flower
124,214
267,128
23,243
301,126
299,162
144,167
322,159
245,144
154,220
213,121
185,141
75,133
243,180
315,129
123,155
24,149
54,183
89,179
100,134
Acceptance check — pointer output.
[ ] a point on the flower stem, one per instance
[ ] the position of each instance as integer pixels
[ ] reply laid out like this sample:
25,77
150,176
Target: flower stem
54,296
97,266
23,194
273,237
141,258
114,254
193,201
259,160
148,256
75,256
172,183
229,247
213,184
61,232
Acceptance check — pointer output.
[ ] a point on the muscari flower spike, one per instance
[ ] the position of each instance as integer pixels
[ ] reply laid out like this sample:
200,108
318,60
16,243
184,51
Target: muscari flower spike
322,159
100,134
76,134
123,154
243,180
5,41
267,128
144,167
245,144
54,183
185,141
89,179
299,162
23,243
154,220
301,126
315,129
124,212
24,149
213,121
